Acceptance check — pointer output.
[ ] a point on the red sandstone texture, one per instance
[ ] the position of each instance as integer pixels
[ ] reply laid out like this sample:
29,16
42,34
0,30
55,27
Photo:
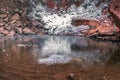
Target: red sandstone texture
97,27
115,11
63,4
109,27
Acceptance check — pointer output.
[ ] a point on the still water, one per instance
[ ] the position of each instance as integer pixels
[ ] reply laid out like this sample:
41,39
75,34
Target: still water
56,57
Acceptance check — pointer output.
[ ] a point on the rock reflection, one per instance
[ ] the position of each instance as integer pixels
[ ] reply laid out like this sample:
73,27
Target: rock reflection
59,49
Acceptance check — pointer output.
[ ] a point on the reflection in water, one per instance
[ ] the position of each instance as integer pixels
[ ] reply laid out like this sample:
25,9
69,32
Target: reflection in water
55,50
26,57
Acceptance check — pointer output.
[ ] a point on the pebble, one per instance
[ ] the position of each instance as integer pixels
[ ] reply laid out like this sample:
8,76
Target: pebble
70,76
15,17
4,50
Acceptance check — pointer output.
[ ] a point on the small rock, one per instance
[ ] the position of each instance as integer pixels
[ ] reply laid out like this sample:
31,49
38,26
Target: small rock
2,23
7,28
3,10
4,50
6,19
18,23
5,32
18,30
27,31
15,17
1,29
12,33
1,35
12,21
3,15
35,23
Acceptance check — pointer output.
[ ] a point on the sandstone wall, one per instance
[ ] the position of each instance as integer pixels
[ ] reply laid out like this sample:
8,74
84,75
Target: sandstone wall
13,16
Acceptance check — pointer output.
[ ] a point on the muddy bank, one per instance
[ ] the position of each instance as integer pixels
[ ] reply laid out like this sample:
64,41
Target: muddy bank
14,20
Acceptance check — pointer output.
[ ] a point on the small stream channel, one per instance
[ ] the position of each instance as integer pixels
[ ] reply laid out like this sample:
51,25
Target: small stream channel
56,57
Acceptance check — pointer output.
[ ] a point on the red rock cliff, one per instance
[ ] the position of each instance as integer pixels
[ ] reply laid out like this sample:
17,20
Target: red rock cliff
115,11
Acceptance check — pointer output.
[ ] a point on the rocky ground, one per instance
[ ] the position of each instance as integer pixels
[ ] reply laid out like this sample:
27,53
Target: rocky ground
14,20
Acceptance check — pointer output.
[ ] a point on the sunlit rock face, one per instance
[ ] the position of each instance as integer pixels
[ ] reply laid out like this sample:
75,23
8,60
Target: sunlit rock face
56,19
